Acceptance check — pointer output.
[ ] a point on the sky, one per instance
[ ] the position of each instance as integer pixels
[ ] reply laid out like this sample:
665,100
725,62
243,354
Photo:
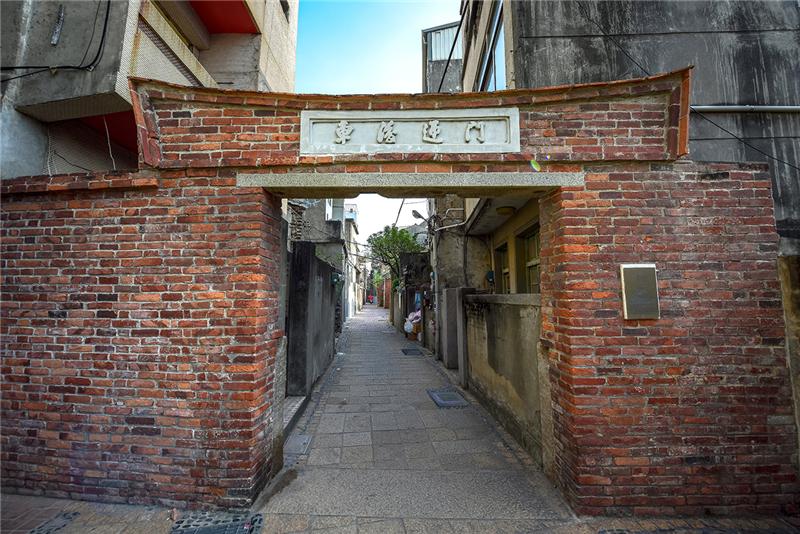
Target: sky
368,46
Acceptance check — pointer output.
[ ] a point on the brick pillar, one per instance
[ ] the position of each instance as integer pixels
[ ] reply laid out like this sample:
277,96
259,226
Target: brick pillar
140,335
690,413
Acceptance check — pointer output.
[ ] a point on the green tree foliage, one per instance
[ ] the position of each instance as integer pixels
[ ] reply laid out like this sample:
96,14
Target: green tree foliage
386,247
377,278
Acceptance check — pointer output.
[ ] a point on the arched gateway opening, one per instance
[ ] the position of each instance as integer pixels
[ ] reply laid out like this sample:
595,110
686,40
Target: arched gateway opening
150,301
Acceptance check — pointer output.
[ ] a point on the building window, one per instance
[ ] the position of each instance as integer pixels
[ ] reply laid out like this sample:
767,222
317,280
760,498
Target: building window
528,247
493,64
502,270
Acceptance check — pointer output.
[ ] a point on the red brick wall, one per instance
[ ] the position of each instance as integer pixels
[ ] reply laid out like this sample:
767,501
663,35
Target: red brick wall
691,413
138,336
630,120
139,311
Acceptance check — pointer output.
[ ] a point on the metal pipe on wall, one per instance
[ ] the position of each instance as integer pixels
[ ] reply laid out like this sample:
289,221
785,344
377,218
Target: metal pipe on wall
746,109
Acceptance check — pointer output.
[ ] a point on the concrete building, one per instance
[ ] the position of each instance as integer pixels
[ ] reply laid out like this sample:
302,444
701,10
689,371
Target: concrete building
745,57
331,224
441,60
66,104
354,267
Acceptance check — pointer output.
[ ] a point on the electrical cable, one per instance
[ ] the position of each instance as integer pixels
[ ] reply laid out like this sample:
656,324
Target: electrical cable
108,140
73,164
452,49
582,9
398,212
91,37
90,66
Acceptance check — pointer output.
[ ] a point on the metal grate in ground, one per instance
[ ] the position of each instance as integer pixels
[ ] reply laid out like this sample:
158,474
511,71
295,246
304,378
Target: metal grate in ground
55,524
447,398
218,523
412,352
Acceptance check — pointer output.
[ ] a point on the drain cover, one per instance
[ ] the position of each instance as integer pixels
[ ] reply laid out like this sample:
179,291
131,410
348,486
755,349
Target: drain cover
412,352
218,523
55,524
447,398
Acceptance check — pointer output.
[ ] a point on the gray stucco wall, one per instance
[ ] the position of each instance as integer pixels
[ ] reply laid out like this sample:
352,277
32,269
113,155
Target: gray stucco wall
744,52
311,318
433,76
27,28
502,334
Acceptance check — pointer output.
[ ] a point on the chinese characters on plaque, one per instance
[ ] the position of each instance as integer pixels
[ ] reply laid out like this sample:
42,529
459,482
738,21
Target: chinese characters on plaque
471,130
431,132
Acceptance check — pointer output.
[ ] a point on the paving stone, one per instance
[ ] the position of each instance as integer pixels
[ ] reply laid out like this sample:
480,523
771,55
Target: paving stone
356,438
357,422
418,450
329,456
357,454
320,441
331,423
461,446
384,421
285,523
380,526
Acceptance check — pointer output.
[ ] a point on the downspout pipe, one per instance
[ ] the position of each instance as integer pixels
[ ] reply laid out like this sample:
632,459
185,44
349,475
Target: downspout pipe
746,109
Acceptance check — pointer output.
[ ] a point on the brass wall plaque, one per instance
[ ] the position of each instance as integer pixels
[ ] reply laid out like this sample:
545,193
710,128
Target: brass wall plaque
640,291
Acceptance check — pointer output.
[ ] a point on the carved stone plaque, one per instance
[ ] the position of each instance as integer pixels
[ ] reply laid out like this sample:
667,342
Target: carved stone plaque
440,130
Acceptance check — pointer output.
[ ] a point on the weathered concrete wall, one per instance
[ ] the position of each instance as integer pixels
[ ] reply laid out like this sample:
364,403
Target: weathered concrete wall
448,327
475,40
27,28
140,328
503,371
434,70
789,272
311,323
743,53
233,60
279,42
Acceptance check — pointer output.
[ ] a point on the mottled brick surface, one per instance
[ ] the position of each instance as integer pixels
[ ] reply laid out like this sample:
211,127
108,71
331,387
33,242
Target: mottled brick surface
139,309
691,413
138,327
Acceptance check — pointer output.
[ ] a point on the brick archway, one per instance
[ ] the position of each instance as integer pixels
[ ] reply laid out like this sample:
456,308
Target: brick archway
140,316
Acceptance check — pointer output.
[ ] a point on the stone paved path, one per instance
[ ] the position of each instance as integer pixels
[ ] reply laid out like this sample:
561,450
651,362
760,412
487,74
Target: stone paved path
383,458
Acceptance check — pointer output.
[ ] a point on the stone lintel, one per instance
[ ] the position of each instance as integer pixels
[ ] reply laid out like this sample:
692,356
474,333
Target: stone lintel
465,184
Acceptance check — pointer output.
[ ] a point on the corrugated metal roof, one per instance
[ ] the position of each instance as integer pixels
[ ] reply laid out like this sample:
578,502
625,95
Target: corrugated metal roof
440,41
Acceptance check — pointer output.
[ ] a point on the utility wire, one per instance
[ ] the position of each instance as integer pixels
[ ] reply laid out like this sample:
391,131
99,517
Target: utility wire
398,212
90,66
583,11
452,49
73,164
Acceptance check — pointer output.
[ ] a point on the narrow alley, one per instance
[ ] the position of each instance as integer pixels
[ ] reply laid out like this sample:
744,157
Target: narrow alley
372,453
383,456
